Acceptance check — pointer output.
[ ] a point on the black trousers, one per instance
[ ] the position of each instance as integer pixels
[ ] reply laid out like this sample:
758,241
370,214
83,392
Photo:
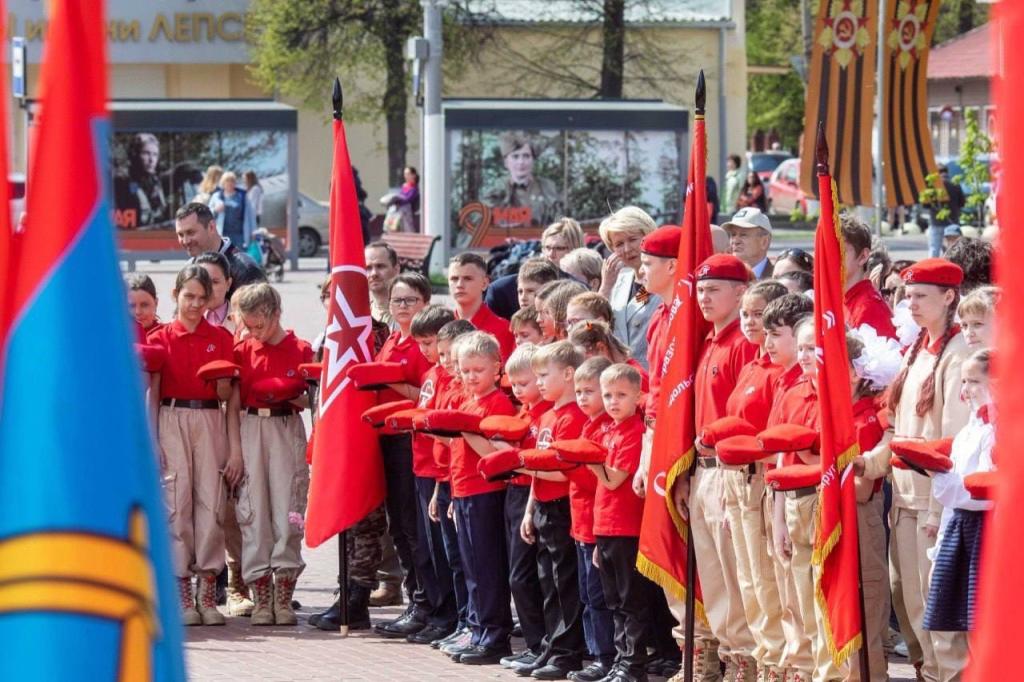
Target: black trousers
659,633
522,569
558,570
435,574
401,507
481,524
625,592
451,550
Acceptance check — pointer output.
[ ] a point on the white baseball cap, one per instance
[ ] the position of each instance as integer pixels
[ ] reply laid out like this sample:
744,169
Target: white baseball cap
750,217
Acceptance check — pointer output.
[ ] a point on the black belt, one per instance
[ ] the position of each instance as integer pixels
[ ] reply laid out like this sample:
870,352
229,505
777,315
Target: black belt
270,411
707,462
191,404
797,493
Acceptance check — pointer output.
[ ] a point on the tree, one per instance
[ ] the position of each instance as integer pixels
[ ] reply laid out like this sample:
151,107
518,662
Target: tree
956,17
614,48
974,169
775,101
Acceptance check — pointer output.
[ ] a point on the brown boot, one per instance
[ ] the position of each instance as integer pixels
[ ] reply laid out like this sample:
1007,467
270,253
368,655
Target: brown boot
239,603
386,594
263,598
284,588
189,614
207,600
746,669
706,666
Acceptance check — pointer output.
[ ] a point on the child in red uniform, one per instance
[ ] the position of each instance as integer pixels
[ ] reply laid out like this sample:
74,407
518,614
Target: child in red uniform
480,509
721,282
863,302
197,442
142,300
272,497
408,294
617,514
594,338
598,620
548,519
525,326
467,282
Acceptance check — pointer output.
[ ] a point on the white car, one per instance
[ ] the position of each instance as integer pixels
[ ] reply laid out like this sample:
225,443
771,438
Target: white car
314,216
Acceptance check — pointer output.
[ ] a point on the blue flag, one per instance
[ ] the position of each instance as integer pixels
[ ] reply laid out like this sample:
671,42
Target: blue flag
85,585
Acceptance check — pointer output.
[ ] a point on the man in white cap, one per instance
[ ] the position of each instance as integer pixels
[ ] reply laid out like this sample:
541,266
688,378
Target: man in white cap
750,237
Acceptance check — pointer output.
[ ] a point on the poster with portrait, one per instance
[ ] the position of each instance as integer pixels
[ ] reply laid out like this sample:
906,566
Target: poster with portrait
513,183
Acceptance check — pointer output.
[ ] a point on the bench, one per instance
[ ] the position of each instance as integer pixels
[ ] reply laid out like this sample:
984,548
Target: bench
413,249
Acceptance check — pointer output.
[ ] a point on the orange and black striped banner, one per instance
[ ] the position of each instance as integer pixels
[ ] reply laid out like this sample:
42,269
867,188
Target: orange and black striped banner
840,92
907,154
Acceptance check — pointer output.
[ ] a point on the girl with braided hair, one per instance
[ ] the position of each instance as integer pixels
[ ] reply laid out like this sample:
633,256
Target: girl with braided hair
925,403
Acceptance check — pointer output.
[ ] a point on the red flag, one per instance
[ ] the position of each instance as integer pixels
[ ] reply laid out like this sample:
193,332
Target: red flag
662,556
347,478
835,546
998,619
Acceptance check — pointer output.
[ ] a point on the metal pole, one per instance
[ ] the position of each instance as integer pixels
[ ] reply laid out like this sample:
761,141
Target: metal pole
879,103
691,603
865,660
433,212
343,582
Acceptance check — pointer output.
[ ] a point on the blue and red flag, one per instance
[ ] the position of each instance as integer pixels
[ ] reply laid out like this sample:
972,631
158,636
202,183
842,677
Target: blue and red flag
85,584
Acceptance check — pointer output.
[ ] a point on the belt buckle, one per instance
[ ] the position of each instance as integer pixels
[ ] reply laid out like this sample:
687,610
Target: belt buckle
263,412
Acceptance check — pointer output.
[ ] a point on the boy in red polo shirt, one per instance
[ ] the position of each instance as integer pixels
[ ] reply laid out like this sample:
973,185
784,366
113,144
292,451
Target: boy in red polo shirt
480,509
617,514
272,497
721,282
467,282
863,302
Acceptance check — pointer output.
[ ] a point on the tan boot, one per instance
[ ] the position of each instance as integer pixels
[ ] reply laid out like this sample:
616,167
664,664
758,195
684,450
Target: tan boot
207,600
386,594
263,598
284,588
189,614
746,670
706,666
239,603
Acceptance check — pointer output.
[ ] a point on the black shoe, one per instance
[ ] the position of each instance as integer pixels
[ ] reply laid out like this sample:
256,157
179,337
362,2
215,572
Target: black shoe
526,657
358,615
456,652
618,674
484,655
595,672
526,669
551,672
438,643
409,623
669,667
429,635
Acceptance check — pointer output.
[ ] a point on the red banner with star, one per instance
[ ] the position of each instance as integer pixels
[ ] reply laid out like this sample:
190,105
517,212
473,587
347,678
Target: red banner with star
347,475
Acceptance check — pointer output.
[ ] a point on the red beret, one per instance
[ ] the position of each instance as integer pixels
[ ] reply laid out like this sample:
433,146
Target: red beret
788,438
723,266
504,428
278,389
794,477
448,423
543,460
501,465
311,371
740,450
943,446
981,484
373,376
937,271
663,242
219,369
376,415
580,451
726,427
404,419
153,356
921,455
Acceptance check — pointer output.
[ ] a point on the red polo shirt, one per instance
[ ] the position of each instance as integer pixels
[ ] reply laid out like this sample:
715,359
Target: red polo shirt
798,405
423,463
560,423
869,430
645,378
583,484
449,396
486,321
260,360
531,415
657,345
186,353
720,363
755,391
407,352
466,479
618,512
865,305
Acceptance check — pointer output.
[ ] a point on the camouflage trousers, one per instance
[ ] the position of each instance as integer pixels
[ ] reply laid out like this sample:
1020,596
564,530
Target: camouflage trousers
364,548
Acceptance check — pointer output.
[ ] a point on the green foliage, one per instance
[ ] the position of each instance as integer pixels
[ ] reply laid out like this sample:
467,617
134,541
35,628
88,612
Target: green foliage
775,102
934,195
958,16
975,170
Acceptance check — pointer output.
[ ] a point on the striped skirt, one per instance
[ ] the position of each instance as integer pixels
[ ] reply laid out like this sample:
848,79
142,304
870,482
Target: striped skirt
954,583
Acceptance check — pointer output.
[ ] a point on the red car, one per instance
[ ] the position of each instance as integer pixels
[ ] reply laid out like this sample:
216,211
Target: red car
784,193
763,163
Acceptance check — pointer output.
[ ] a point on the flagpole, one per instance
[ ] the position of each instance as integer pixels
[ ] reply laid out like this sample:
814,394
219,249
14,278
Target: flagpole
336,101
700,99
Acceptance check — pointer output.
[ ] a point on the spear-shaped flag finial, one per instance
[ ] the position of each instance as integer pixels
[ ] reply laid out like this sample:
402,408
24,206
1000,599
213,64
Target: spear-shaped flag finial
701,95
821,150
336,98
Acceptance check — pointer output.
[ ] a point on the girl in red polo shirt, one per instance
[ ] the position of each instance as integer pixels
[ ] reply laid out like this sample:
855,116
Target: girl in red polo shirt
272,497
142,300
595,338
200,448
